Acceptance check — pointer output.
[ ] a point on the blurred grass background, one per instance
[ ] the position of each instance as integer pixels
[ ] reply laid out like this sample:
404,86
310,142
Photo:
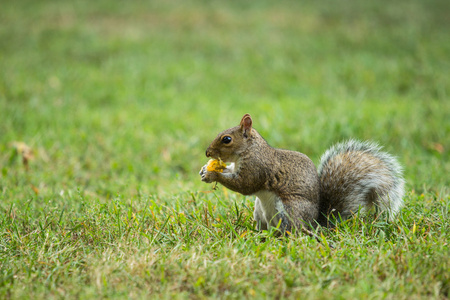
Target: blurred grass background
119,99
117,94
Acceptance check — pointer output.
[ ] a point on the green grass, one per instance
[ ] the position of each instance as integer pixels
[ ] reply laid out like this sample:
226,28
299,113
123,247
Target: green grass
119,100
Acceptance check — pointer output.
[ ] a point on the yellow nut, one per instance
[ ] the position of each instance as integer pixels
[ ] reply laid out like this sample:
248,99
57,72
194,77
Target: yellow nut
215,165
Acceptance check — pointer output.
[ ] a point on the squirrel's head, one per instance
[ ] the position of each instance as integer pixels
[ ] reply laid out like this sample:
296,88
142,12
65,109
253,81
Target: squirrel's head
230,143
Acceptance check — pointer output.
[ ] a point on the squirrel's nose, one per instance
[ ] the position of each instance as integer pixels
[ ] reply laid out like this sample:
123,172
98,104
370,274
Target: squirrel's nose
209,152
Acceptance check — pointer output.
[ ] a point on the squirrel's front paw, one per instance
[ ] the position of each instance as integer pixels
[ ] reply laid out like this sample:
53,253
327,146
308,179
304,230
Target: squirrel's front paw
202,171
207,177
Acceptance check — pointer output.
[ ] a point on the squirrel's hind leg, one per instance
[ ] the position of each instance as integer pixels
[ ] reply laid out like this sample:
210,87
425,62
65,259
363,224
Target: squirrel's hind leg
259,217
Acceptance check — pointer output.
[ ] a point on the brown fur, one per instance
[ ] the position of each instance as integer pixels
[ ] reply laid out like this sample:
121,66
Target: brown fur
261,167
287,182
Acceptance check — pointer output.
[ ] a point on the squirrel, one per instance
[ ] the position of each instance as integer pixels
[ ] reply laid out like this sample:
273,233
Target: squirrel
291,193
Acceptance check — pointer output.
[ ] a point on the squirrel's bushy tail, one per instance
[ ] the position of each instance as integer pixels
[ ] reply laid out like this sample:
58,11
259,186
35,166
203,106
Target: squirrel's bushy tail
357,175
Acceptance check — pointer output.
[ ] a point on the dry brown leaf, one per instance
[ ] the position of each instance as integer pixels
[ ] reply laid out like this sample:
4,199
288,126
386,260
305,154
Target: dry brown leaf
35,189
24,151
438,147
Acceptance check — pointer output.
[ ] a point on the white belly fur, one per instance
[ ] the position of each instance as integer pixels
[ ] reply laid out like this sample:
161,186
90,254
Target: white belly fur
271,207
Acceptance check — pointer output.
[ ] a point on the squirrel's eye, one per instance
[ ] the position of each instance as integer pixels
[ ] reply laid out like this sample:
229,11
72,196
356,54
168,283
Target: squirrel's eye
226,139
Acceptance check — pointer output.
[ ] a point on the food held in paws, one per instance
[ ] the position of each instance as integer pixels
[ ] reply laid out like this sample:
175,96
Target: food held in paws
215,165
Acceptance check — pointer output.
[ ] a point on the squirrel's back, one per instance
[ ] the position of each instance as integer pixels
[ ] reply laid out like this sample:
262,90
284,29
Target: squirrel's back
357,175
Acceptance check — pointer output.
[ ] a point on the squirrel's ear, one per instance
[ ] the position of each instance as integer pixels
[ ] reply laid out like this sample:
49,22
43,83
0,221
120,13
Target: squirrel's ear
246,124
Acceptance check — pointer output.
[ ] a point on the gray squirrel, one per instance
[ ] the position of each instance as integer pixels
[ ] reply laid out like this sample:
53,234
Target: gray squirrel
291,193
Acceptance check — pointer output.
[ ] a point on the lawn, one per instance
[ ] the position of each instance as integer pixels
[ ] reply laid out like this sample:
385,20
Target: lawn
107,107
